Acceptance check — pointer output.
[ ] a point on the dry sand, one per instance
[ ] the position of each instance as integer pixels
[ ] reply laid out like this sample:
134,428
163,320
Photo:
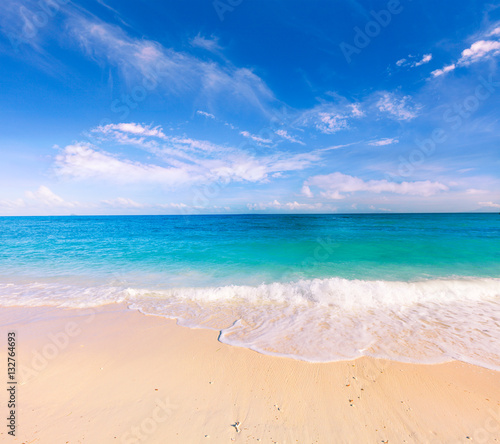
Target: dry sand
117,376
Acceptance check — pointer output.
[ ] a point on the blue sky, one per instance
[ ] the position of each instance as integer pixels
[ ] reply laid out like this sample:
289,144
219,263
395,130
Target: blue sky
238,106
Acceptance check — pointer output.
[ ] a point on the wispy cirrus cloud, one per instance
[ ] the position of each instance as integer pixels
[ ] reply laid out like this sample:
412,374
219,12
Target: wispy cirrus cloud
255,138
154,140
166,69
21,22
135,129
382,142
284,134
138,61
208,43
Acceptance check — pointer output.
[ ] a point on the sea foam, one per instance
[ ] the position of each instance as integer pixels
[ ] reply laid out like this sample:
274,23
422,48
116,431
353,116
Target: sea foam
317,320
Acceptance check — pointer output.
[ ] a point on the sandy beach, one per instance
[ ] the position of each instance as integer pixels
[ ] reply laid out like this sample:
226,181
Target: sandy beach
113,375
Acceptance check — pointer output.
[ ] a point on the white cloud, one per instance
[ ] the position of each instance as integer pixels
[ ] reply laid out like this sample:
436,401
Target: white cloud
440,72
210,44
383,142
122,202
255,138
356,110
282,162
335,147
44,196
184,161
135,129
82,161
11,204
284,134
178,206
372,207
482,49
146,63
20,21
478,51
41,199
337,185
330,123
284,206
200,160
489,204
125,203
494,32
475,191
331,118
188,144
168,146
204,113
306,191
400,108
425,59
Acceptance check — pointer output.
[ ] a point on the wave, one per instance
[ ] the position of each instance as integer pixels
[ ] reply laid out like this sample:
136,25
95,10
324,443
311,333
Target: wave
317,320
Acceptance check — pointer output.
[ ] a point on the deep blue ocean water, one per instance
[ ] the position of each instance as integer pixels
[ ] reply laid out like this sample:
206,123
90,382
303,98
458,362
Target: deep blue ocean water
413,287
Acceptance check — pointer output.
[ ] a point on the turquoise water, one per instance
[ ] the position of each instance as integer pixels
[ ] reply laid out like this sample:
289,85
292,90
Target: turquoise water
352,284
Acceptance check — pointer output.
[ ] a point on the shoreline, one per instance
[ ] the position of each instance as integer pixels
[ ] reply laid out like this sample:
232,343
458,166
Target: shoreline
114,375
318,320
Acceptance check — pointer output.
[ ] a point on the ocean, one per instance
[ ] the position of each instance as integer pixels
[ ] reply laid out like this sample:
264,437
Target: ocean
419,288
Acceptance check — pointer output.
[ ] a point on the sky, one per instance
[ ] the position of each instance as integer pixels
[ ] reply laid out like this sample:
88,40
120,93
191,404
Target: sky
238,106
